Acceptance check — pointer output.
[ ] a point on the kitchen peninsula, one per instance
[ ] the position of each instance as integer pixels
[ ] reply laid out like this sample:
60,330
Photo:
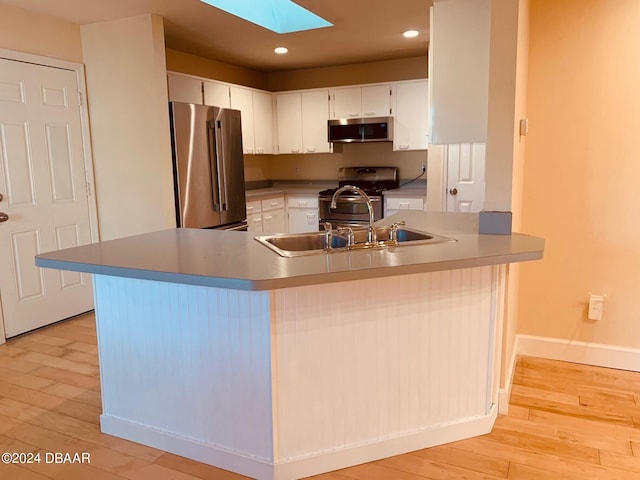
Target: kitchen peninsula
213,347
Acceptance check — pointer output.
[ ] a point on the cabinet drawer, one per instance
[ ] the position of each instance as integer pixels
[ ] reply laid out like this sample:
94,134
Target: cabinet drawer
254,206
272,203
404,204
302,202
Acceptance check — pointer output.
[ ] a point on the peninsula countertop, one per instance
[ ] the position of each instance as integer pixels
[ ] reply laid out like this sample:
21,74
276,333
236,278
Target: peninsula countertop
235,260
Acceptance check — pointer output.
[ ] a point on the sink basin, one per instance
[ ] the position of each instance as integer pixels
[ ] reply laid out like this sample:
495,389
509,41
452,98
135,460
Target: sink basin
313,243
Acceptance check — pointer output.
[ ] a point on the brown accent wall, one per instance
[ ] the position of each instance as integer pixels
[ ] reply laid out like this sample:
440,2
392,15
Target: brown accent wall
355,74
207,68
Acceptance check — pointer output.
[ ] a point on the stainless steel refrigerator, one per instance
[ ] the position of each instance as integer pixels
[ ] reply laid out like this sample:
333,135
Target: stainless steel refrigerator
208,167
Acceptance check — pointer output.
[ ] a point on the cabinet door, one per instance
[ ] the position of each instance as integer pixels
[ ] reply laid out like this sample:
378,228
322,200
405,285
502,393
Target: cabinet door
315,114
254,223
242,99
346,103
303,220
183,88
273,221
289,114
216,94
376,101
263,122
411,123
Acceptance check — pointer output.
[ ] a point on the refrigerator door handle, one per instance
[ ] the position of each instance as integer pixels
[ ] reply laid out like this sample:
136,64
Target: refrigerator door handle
212,139
220,160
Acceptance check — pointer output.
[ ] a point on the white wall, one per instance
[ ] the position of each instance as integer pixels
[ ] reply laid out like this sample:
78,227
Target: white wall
128,107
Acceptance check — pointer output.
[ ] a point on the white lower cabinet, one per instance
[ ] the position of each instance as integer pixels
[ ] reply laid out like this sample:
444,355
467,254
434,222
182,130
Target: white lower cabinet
397,204
266,215
302,213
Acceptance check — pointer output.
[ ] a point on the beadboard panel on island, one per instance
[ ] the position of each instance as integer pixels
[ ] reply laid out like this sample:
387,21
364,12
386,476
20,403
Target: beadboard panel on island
296,381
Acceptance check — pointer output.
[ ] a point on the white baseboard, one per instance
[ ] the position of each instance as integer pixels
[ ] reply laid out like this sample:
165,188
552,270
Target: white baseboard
598,354
504,394
312,465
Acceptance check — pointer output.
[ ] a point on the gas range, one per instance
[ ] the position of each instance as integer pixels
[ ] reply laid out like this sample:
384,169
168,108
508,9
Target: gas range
351,210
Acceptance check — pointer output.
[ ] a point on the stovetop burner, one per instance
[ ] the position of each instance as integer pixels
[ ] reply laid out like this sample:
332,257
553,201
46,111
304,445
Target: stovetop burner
372,180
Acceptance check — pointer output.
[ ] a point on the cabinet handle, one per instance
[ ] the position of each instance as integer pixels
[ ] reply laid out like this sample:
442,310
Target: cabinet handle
250,150
369,114
250,208
357,114
311,217
311,149
403,146
274,204
259,150
302,203
295,150
267,217
403,205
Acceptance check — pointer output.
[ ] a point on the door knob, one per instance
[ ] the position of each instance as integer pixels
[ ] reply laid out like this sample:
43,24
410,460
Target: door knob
453,191
3,217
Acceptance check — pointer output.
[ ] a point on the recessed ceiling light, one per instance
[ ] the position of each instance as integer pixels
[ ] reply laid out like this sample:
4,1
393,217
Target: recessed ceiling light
281,50
280,16
411,34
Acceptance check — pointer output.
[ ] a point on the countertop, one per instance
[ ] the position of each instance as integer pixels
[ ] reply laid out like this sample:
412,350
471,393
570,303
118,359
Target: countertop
412,190
236,260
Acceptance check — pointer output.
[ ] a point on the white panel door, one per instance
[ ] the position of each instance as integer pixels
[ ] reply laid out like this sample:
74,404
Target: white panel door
465,177
44,190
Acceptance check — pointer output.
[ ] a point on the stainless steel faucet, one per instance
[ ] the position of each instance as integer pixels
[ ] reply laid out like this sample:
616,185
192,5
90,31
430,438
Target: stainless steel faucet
372,231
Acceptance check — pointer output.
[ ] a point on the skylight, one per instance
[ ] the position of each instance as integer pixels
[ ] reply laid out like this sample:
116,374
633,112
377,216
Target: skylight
280,16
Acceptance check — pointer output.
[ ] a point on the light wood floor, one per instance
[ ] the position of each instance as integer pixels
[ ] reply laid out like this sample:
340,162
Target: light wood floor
566,422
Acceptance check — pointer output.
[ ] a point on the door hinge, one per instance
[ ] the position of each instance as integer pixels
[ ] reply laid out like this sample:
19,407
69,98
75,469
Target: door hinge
79,98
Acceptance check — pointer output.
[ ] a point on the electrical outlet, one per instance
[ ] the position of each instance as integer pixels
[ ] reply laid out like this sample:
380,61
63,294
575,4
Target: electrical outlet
596,306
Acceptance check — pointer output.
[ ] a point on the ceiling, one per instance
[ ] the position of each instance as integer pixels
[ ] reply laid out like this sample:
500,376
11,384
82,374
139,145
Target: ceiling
363,31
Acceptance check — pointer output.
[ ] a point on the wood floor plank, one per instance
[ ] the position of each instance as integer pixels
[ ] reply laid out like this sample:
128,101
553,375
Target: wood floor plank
449,454
54,403
426,468
196,469
17,472
523,472
78,394
56,375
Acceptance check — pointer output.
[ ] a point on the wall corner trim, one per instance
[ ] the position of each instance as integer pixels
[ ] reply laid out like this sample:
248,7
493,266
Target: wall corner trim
597,354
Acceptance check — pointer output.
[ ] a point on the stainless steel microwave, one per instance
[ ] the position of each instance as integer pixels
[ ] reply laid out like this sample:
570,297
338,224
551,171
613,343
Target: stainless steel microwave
370,129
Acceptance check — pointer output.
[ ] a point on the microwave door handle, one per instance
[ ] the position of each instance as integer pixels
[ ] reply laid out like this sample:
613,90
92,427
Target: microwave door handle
223,196
213,165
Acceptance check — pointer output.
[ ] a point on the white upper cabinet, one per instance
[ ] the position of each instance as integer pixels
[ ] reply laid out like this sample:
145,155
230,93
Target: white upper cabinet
242,99
411,112
289,115
183,88
216,94
315,115
376,101
356,102
302,122
263,122
256,116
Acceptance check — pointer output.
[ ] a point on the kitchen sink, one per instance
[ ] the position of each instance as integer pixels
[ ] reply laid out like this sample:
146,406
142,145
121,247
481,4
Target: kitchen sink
313,243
